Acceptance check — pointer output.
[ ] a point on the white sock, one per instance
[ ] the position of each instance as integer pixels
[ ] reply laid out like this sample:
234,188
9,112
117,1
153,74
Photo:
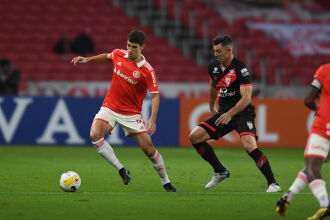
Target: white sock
320,192
299,184
107,153
158,164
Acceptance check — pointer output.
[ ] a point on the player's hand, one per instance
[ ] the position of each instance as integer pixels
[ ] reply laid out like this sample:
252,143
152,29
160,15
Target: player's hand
151,127
223,119
79,59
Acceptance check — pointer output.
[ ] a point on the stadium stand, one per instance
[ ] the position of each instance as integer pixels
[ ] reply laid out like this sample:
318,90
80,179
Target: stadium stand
30,29
201,20
178,36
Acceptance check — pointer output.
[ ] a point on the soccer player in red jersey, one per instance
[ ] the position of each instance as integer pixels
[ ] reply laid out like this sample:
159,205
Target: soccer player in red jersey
317,147
132,77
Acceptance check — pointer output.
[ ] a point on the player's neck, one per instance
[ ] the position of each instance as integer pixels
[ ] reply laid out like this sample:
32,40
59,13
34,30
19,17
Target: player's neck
227,64
138,59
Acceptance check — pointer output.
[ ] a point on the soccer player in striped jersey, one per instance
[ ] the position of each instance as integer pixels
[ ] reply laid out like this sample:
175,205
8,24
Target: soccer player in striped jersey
230,80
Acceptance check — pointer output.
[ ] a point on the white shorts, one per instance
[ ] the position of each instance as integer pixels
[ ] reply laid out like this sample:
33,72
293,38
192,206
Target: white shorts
131,124
317,146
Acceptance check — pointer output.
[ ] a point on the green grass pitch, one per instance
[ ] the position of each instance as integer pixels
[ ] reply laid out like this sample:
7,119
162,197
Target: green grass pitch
29,185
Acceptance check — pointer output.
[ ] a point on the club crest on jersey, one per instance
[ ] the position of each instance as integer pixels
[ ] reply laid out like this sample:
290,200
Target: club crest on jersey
136,74
249,124
227,80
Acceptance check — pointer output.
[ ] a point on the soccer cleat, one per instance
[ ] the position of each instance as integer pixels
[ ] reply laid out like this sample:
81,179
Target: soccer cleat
320,214
217,178
169,187
124,174
282,205
273,188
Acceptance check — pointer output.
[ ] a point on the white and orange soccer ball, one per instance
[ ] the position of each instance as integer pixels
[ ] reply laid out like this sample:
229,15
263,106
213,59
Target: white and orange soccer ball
70,181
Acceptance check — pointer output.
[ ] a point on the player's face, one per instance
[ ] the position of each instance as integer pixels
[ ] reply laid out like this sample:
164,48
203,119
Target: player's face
134,50
222,54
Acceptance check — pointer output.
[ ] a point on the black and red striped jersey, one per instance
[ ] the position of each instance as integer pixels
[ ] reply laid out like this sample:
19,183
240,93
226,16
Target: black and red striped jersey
228,82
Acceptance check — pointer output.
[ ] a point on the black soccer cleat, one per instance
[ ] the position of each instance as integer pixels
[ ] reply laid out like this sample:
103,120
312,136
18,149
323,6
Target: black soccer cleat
282,206
169,187
124,174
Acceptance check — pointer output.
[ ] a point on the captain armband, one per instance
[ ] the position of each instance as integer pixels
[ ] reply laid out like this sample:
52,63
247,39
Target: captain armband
317,84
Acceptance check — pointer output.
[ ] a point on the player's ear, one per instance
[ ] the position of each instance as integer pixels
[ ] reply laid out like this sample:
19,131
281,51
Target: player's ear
142,46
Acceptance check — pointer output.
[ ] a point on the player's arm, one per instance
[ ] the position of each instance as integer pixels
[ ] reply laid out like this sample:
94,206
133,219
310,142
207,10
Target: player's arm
154,111
101,58
213,96
311,97
246,94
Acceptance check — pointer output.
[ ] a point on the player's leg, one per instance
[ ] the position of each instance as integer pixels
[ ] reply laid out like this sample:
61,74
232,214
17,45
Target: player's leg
156,158
316,152
298,184
247,131
100,127
250,145
198,137
317,186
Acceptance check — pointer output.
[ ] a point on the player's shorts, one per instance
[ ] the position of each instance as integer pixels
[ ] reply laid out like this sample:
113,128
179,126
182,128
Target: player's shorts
317,146
321,127
243,124
131,124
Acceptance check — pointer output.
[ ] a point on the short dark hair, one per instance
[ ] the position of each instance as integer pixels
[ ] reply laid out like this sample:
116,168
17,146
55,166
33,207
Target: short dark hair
137,36
225,40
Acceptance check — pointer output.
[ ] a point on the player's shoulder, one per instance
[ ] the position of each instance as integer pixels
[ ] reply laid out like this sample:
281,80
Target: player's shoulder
323,72
120,52
147,67
213,66
213,63
325,68
241,67
238,63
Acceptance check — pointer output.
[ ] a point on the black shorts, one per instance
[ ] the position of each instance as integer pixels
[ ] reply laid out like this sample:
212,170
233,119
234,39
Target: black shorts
243,124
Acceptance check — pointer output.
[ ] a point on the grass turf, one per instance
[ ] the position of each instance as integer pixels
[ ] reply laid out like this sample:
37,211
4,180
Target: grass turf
29,187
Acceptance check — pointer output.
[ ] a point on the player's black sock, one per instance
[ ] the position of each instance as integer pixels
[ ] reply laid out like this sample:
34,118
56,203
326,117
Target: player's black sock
263,164
207,152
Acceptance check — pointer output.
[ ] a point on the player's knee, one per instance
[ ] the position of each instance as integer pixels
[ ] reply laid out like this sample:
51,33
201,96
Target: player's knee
148,148
312,173
94,136
193,137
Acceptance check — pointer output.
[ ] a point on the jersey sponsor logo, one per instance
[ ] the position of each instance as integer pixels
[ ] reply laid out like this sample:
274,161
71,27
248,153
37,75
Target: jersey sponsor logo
249,124
136,74
215,70
245,72
223,92
127,78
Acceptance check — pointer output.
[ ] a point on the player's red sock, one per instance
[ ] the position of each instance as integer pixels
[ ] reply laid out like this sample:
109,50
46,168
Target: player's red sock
263,165
207,152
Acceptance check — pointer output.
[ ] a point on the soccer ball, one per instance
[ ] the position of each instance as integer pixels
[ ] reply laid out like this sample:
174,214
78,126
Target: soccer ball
70,181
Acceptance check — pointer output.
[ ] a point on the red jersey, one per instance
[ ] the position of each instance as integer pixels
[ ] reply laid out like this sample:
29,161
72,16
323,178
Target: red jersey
321,81
130,82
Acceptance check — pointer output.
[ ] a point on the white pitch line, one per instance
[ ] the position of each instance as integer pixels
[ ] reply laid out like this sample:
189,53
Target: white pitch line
144,193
